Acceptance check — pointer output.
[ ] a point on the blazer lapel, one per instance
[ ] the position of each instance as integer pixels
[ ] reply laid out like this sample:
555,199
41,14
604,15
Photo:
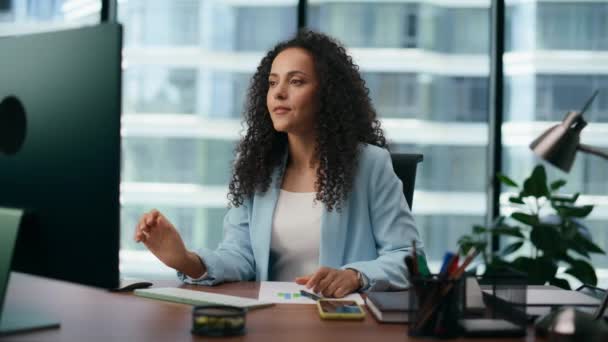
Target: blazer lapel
261,222
333,237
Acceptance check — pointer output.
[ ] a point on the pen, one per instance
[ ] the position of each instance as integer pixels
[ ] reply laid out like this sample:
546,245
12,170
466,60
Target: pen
447,259
409,262
415,258
423,268
310,295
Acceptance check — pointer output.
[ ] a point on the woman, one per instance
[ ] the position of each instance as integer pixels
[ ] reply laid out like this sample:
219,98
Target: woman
313,194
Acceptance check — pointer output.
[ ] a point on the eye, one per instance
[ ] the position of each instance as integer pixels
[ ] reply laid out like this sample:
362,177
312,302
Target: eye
297,82
272,83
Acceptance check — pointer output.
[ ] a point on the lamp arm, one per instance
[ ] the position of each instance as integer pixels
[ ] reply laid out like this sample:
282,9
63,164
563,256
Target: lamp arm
593,150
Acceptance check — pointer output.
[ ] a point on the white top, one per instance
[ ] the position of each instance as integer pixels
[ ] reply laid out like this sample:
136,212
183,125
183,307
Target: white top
296,236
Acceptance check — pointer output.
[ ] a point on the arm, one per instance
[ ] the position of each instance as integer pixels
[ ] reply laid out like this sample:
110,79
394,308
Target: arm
233,259
393,228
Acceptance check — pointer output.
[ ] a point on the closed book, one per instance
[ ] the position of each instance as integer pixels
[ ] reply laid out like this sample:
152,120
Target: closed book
389,307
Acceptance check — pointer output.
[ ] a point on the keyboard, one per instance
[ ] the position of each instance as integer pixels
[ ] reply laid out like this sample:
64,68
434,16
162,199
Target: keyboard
192,297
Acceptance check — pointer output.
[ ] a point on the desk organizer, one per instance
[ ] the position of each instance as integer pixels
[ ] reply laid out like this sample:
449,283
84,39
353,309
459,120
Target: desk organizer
436,304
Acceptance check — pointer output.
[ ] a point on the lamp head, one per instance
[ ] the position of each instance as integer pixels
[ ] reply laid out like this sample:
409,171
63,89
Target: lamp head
558,144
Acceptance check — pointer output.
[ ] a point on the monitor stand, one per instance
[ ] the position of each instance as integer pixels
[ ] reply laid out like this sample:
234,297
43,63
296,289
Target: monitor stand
14,318
15,321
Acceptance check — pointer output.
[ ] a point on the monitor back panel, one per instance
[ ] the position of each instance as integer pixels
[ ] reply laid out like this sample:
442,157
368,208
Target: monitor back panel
66,173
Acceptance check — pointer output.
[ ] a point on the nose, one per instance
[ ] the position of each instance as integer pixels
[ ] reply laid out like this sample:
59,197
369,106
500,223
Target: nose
280,91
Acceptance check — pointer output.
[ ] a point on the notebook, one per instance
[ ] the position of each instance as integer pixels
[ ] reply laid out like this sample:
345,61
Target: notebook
192,297
389,307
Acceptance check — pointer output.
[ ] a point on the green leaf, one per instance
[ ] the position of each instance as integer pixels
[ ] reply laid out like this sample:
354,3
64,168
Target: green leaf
547,239
574,211
536,184
465,247
580,250
511,248
586,244
506,180
565,198
564,257
525,218
479,229
539,270
557,184
465,239
582,271
569,230
517,200
509,231
559,282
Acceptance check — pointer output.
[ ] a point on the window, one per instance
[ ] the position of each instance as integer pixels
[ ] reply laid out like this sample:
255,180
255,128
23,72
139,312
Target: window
188,66
554,61
426,65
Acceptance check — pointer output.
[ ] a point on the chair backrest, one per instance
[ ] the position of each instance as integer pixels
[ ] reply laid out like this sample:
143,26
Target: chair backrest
404,165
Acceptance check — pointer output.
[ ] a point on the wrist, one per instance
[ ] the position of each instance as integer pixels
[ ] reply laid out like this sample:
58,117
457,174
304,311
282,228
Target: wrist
356,278
191,265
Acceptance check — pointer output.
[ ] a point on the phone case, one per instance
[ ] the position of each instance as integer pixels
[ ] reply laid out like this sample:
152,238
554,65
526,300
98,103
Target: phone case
326,315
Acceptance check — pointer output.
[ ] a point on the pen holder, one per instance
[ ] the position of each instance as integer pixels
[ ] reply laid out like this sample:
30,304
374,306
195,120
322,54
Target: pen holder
436,304
504,293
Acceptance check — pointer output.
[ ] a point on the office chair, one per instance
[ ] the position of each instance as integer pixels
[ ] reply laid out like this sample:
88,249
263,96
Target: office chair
404,165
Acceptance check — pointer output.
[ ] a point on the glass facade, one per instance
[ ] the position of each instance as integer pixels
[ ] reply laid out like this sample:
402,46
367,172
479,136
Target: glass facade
426,64
556,57
188,67
188,63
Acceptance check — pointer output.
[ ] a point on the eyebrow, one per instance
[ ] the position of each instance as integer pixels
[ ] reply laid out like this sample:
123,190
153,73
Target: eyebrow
291,73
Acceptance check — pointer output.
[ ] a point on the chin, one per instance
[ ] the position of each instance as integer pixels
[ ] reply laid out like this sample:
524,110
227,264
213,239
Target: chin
280,127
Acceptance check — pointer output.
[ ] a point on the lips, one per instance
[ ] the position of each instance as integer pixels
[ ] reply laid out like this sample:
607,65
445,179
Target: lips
281,110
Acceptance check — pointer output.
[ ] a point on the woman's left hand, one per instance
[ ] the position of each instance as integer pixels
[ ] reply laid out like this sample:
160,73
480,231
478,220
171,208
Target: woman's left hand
331,282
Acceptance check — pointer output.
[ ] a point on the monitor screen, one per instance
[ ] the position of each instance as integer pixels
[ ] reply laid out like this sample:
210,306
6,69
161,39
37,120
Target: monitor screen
60,107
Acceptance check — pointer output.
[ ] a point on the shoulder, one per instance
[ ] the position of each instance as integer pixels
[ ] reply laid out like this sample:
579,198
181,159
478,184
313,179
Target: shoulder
374,163
371,156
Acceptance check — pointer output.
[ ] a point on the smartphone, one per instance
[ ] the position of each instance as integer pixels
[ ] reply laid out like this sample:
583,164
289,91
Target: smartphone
340,309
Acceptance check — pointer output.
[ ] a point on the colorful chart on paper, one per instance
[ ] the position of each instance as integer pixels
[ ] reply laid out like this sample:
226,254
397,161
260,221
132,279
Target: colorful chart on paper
289,293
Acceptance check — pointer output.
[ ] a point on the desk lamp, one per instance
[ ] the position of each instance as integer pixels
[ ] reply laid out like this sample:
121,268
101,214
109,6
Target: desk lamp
558,146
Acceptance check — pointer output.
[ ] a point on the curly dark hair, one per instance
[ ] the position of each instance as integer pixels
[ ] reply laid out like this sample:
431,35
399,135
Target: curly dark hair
346,119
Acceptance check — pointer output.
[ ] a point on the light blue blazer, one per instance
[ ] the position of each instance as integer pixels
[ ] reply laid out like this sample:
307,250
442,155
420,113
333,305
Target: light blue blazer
372,234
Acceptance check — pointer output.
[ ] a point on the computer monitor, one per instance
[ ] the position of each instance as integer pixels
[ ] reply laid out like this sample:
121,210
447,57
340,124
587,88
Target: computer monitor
60,108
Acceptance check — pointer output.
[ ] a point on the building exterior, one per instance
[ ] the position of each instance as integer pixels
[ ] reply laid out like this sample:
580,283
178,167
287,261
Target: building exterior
187,66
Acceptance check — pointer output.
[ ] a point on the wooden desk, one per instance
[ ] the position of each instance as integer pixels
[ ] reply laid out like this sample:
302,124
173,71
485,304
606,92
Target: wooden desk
89,314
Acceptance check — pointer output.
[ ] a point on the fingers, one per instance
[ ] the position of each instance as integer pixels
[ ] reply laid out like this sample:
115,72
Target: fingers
330,282
152,218
316,277
325,282
330,291
341,292
141,236
145,225
303,280
321,279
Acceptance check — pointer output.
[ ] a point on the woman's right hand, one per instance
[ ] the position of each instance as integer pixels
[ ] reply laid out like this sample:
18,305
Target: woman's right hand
164,241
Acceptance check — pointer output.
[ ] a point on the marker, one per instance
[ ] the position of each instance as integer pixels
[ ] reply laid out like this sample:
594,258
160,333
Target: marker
310,295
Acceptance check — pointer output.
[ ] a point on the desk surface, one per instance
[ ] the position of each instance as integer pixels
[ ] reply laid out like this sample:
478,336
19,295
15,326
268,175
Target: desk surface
89,314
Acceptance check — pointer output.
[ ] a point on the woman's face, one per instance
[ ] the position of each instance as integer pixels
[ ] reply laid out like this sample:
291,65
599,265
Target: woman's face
292,92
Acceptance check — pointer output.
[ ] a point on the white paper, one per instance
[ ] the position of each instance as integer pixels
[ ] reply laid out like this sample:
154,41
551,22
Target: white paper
281,292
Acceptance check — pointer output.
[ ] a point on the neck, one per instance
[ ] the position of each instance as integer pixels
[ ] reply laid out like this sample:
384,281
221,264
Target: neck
301,152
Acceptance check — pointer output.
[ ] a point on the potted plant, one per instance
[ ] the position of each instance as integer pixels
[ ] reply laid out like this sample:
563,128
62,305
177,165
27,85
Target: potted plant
547,222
